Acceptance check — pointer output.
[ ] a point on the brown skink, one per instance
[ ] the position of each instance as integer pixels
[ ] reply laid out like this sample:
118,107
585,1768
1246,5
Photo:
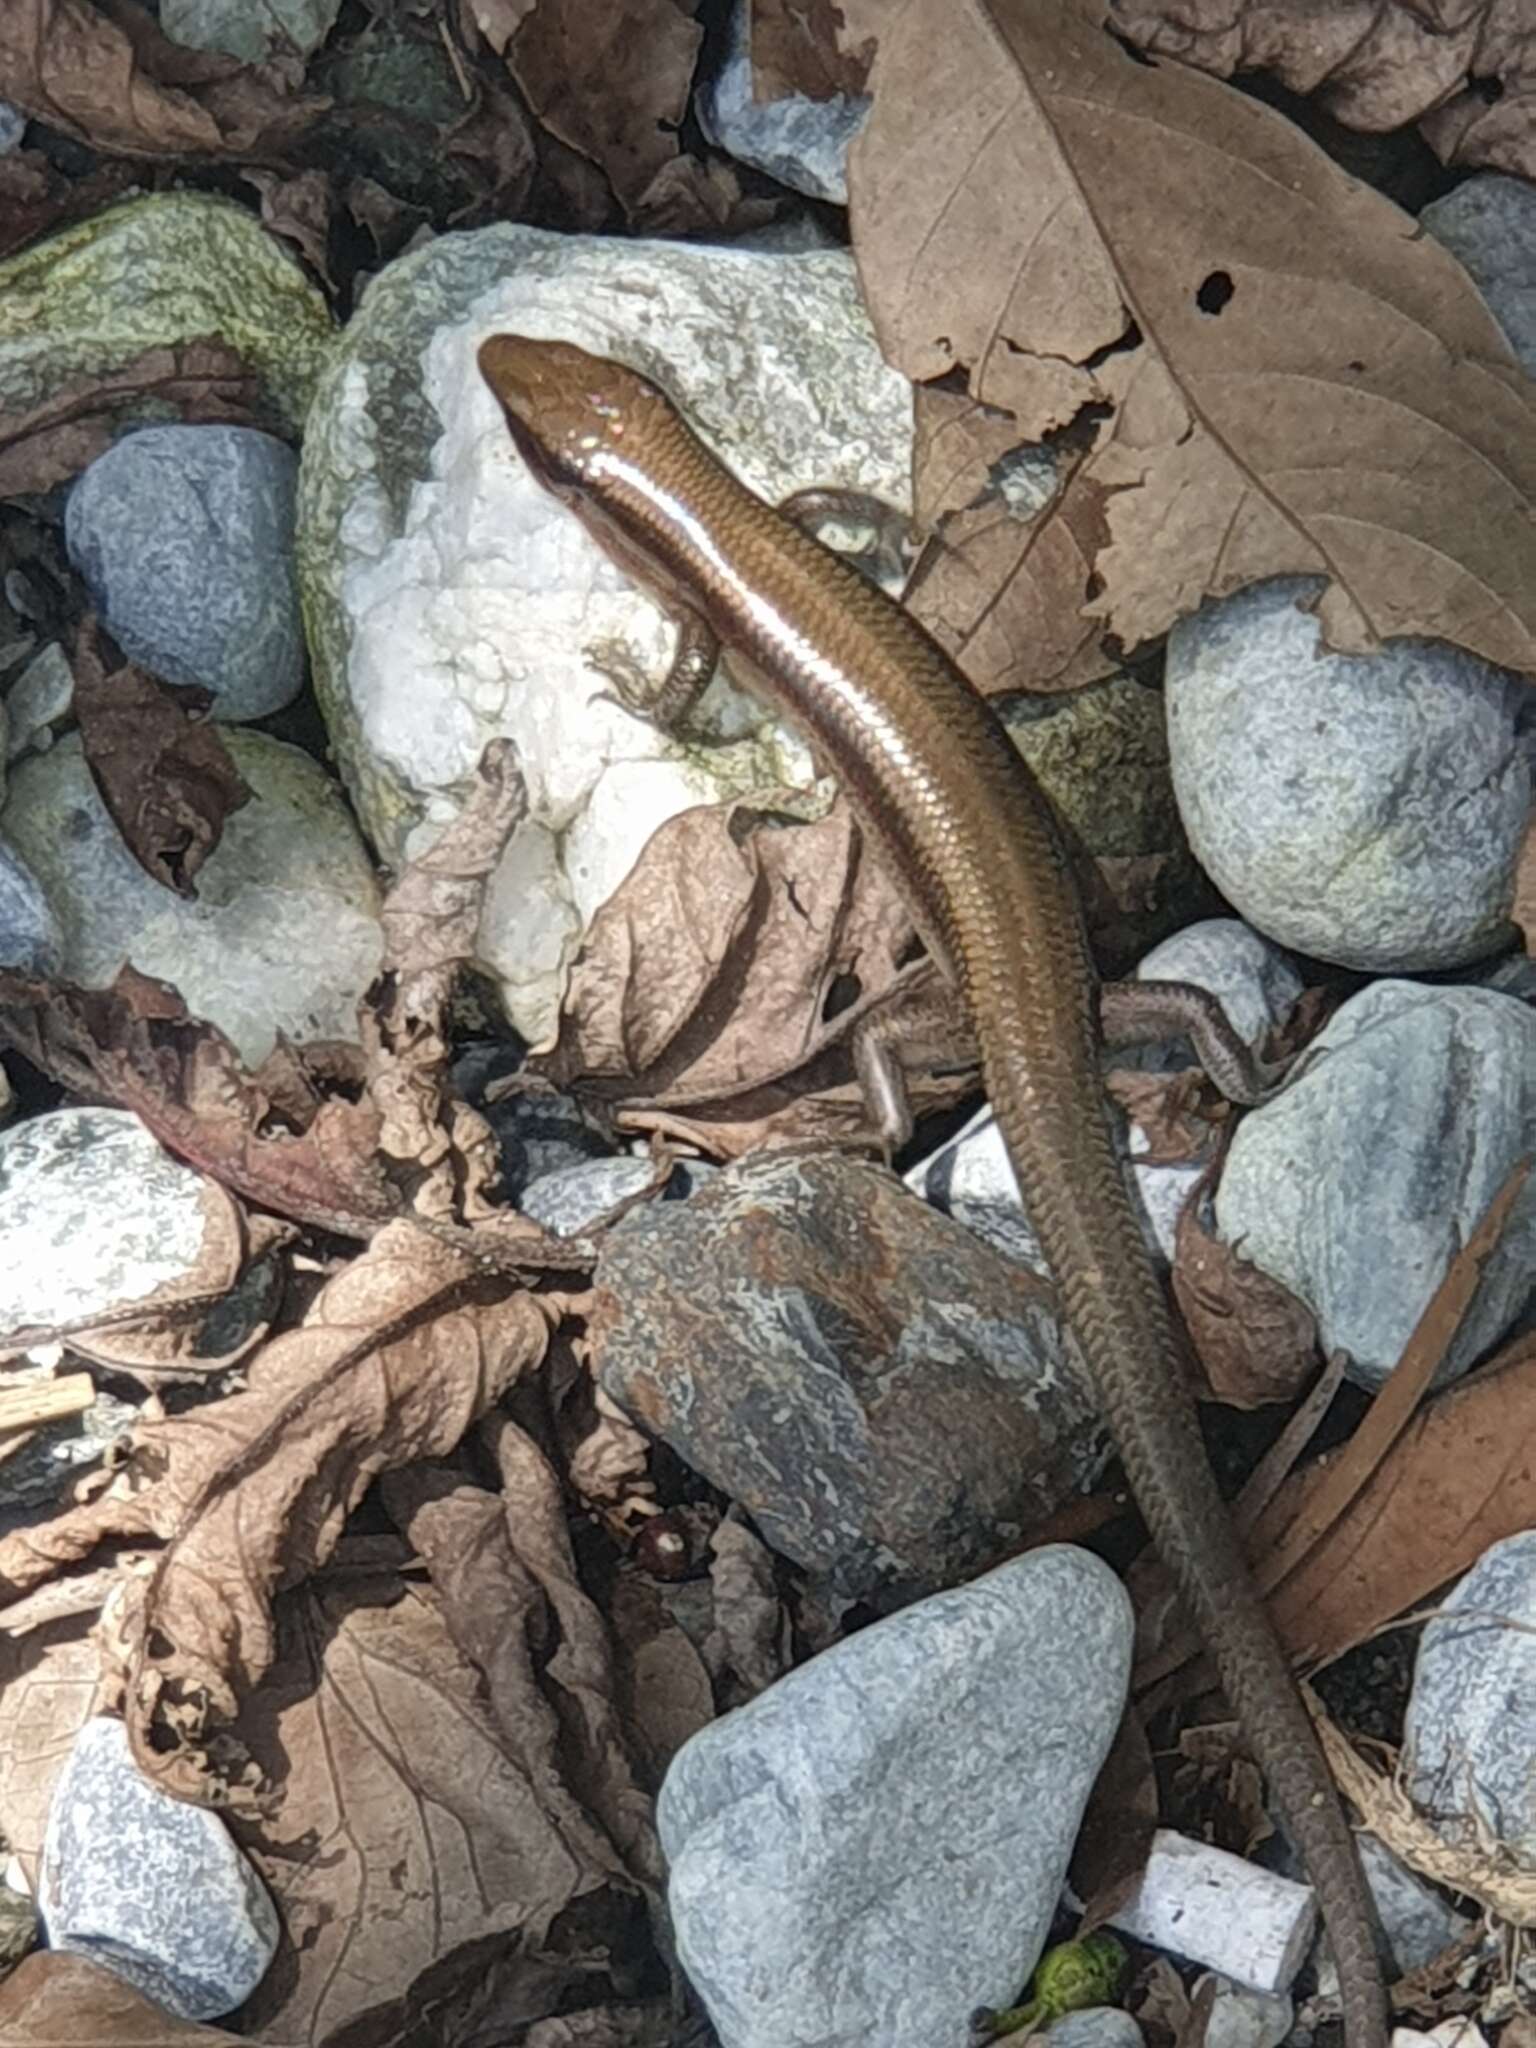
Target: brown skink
936,781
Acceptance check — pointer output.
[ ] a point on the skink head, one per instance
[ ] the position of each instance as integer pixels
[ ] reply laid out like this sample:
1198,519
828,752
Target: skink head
566,410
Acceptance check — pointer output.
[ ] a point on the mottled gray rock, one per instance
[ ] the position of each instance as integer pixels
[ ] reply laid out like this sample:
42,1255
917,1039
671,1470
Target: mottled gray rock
570,1198
29,932
38,700
1418,1920
151,273
150,1887
1364,808
1489,223
1242,2017
876,1845
257,35
283,934
1252,978
1360,1182
794,1329
800,141
185,537
1470,1731
452,600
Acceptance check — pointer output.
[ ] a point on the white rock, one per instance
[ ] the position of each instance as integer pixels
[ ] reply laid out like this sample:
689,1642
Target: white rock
149,1887
450,599
1361,1181
283,934
1245,1922
1368,809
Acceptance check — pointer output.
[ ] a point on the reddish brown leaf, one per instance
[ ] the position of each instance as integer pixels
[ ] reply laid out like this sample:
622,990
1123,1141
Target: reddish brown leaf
1110,1857
161,765
1256,1341
36,199
106,75
136,1045
53,1997
199,381
298,209
568,57
798,47
1278,373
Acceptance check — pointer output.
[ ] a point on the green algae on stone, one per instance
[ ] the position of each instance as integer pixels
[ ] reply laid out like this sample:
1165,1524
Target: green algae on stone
150,273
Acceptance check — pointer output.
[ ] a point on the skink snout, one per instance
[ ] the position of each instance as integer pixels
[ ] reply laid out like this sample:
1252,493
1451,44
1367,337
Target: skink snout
562,405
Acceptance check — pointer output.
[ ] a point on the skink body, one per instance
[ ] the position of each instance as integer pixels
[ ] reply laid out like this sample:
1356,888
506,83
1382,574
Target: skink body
969,836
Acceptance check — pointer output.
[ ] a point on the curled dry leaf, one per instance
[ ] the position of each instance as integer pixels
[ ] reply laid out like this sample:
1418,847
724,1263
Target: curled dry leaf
797,47
429,1888
1255,1339
114,81
200,381
398,1355
137,1046
718,986
1463,73
158,760
1274,370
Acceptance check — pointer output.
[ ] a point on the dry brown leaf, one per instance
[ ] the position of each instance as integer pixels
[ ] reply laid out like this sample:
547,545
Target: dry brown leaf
48,1691
503,1571
664,1690
1281,373
1255,1340
106,75
702,996
54,1999
1110,1855
798,47
428,1886
398,1355
297,207
751,1645
36,199
158,761
136,1045
1466,74
200,381
569,59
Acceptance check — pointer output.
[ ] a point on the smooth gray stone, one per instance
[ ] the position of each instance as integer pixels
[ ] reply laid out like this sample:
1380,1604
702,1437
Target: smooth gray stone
29,932
1367,809
1489,223
185,537
1096,2026
875,1846
1470,1731
150,1887
567,1200
1361,1181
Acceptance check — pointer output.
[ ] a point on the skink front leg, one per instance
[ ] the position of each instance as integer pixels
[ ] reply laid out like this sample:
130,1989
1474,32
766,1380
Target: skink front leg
670,702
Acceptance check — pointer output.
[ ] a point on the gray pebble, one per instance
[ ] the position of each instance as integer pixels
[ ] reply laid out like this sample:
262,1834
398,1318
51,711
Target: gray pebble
150,1887
1095,2026
1470,1732
185,537
1360,1182
29,932
1489,223
876,1845
571,1198
1367,809
801,141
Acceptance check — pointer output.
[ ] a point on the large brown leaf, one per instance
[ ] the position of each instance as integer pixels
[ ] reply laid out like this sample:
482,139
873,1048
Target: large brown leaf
1273,369
718,987
399,1354
1465,73
158,760
52,1998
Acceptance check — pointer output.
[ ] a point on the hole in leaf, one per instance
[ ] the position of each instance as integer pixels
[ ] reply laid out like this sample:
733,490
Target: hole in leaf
1215,292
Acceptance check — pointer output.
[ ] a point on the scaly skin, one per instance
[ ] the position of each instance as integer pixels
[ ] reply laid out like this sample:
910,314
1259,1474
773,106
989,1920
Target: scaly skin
957,814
